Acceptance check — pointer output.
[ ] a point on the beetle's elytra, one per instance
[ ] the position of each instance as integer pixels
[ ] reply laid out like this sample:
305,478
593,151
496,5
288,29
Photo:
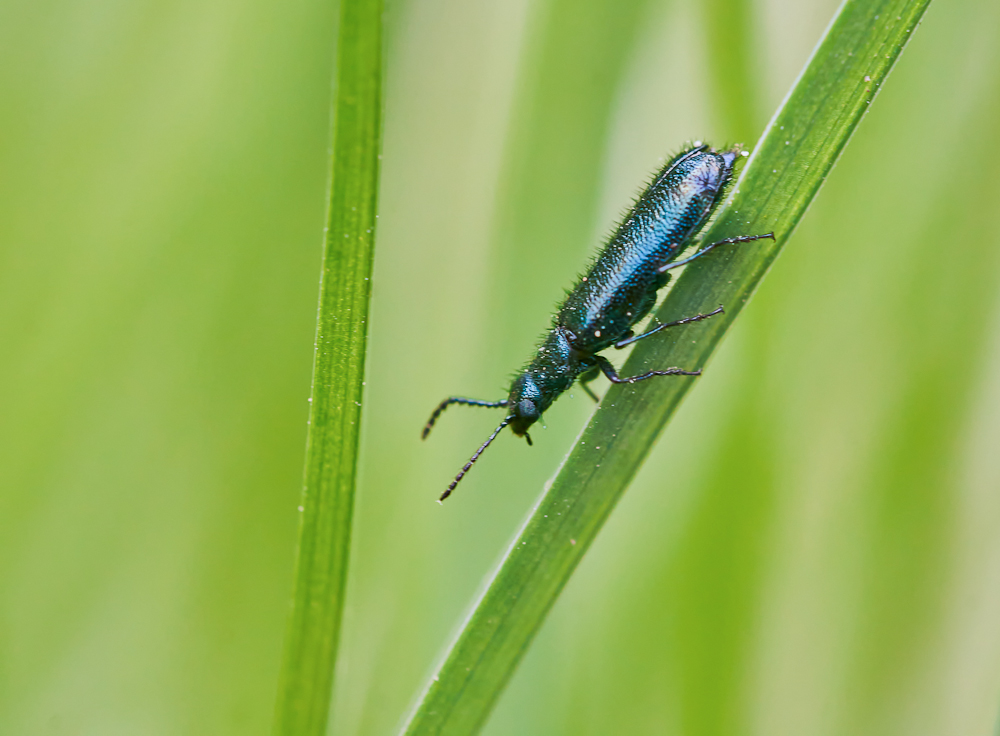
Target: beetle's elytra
617,291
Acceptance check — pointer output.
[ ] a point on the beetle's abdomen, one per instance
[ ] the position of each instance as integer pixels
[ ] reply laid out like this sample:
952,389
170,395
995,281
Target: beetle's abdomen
620,287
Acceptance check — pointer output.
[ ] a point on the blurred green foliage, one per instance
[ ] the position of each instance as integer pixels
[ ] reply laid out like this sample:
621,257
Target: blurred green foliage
813,546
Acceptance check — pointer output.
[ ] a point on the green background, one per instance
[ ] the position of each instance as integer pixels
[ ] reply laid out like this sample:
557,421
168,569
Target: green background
813,547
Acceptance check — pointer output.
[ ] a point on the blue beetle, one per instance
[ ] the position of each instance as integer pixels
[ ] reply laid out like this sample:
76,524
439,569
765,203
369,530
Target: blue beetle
617,292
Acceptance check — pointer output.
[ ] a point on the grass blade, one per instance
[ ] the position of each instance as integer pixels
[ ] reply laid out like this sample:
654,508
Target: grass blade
305,686
789,164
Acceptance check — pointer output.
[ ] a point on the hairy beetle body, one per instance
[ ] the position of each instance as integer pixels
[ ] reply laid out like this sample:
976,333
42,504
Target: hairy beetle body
618,290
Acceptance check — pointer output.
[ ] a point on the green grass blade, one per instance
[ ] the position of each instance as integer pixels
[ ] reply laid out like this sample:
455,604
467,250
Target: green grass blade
335,412
789,164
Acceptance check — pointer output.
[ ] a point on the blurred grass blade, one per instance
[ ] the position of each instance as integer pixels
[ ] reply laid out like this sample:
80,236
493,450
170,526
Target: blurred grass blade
796,153
305,686
730,66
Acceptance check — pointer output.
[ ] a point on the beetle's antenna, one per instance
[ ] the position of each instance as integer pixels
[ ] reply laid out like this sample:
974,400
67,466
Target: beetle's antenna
475,456
457,400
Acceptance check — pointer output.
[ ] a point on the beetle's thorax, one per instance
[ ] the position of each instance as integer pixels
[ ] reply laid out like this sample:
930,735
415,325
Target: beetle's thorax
552,370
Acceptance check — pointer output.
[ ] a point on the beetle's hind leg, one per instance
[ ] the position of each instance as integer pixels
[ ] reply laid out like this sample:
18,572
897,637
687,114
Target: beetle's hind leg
609,370
457,400
586,377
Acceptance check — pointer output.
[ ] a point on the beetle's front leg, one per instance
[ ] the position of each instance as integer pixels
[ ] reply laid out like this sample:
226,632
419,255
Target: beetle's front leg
609,370
586,377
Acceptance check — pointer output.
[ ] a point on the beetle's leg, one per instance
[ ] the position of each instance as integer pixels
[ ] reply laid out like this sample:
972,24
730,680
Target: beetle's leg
703,251
457,400
697,318
612,374
586,377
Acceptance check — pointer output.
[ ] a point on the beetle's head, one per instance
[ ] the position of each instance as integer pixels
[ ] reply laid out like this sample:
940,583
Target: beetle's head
523,410
524,404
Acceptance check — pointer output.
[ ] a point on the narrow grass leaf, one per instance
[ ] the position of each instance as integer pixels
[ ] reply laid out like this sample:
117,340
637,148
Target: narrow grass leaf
781,178
335,410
